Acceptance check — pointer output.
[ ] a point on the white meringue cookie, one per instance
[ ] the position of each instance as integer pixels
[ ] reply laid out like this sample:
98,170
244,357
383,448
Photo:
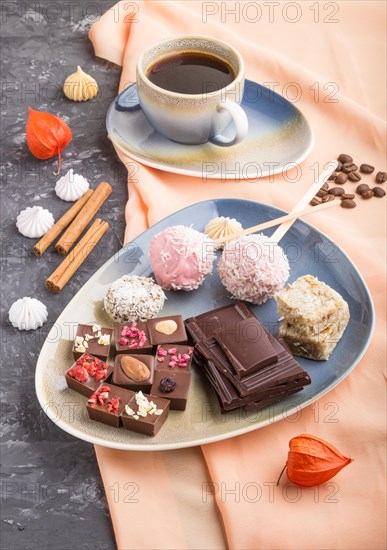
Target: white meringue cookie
220,228
27,314
71,187
34,221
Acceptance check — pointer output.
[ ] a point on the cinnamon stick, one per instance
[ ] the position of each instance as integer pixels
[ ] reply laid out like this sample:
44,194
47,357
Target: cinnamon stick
61,224
89,210
73,261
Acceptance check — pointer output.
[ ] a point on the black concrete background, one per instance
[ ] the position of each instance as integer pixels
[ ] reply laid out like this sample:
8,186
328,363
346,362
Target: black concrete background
51,492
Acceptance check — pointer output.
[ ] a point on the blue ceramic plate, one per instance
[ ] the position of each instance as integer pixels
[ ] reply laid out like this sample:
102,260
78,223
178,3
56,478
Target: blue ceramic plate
309,251
279,136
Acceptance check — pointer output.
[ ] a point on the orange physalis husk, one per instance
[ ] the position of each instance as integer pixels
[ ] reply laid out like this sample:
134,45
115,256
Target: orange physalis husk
313,461
47,135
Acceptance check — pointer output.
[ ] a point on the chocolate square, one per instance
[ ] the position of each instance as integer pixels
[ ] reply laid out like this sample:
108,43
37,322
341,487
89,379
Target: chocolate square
98,350
172,361
247,345
203,326
285,370
125,348
150,424
94,368
122,379
158,338
100,413
178,397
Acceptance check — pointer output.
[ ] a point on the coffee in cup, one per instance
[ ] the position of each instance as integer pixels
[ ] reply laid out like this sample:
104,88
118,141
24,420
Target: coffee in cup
190,88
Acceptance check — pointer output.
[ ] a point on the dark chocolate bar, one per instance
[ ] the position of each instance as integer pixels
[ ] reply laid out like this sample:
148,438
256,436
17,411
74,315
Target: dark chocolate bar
204,325
286,369
228,398
247,345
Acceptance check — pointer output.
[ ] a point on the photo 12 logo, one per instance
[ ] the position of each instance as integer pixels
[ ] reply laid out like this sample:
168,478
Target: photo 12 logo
82,14
270,12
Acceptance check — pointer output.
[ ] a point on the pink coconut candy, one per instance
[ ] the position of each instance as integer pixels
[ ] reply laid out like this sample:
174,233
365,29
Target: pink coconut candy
181,257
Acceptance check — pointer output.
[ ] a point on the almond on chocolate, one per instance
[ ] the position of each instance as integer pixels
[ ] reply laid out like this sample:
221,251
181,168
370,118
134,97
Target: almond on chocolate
134,369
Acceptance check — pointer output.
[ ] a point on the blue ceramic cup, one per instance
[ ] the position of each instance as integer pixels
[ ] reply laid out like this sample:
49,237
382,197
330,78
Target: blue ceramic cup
194,118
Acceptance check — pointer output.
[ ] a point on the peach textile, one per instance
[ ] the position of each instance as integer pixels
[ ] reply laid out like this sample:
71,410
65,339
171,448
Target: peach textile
338,50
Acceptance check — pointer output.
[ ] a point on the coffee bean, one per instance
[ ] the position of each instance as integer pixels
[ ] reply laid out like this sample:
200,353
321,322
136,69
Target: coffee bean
336,191
354,176
341,178
343,158
328,197
381,177
366,168
378,192
349,167
367,194
339,166
347,196
315,201
321,193
362,188
325,187
348,203
333,176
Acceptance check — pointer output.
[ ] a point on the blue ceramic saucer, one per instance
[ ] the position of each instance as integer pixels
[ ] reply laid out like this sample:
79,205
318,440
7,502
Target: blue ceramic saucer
279,137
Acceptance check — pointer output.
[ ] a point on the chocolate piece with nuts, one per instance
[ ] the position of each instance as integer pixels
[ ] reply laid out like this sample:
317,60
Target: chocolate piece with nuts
92,339
145,414
160,330
134,372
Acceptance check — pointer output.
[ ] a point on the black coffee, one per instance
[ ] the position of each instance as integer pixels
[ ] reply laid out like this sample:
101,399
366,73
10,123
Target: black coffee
191,73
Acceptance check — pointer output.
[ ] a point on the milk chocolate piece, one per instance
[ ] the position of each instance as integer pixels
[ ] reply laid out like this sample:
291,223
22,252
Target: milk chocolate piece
98,350
97,371
202,326
149,424
122,379
177,397
171,356
157,338
247,345
128,340
103,411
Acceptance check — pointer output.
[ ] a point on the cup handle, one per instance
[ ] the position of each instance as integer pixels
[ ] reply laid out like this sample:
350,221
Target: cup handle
240,120
128,100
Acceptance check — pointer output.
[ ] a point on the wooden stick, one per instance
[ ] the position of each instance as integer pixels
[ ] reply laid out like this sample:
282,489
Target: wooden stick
89,210
287,218
82,249
305,199
61,224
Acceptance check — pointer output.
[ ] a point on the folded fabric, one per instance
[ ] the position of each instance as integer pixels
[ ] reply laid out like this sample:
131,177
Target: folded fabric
327,59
